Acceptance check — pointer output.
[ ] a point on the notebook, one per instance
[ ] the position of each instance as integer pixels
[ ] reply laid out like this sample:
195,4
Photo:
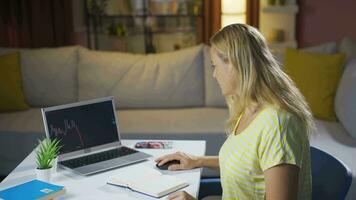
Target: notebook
34,189
89,134
147,180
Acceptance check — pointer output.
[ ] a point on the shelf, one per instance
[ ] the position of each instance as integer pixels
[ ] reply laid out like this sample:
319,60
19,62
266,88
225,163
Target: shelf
147,22
144,16
167,30
281,9
283,45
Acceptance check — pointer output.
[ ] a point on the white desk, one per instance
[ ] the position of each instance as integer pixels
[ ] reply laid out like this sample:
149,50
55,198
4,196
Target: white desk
95,187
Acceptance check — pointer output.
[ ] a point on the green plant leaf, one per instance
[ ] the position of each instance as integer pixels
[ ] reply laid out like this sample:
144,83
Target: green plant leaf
47,152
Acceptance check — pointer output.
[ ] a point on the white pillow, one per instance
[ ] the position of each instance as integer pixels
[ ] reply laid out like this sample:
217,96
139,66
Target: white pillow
327,48
173,79
4,50
345,100
348,47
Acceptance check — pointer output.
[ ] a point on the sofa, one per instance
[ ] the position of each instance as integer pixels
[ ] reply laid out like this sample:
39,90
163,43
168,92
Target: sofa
157,96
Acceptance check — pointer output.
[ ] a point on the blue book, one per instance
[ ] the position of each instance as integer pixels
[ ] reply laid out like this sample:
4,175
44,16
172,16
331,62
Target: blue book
34,189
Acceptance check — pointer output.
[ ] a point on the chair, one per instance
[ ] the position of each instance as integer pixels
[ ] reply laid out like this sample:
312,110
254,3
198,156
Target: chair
331,178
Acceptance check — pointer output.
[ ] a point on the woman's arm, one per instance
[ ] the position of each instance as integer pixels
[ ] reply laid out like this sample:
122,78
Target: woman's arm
188,161
282,182
209,161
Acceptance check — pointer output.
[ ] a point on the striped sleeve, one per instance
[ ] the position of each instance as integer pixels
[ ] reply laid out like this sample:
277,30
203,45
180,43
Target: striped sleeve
282,143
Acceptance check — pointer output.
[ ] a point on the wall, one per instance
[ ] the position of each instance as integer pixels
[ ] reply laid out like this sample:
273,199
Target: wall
320,21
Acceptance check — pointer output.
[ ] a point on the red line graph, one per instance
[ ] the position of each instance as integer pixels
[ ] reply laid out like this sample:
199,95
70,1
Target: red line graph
69,128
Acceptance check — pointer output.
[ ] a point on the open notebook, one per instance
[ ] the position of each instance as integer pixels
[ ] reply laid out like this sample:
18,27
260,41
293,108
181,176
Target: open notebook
147,180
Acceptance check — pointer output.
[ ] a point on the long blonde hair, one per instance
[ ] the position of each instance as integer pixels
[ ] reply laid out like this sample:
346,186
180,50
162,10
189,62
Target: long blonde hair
259,76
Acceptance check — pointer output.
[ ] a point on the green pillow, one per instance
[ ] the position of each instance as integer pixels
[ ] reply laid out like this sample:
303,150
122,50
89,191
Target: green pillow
317,76
12,97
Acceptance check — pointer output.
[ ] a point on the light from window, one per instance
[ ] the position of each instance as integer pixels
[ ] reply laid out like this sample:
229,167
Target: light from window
233,11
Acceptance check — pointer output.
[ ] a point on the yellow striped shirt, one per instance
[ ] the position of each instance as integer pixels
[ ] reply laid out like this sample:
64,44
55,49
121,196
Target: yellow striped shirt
272,138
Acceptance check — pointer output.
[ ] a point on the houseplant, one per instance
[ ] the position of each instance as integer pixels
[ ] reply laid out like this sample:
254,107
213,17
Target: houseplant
116,37
46,156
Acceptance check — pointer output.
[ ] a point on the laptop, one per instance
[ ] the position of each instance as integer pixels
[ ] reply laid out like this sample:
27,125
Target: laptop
89,134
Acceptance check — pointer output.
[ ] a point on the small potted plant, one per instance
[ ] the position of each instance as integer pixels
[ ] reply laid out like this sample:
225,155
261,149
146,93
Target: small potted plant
116,37
45,158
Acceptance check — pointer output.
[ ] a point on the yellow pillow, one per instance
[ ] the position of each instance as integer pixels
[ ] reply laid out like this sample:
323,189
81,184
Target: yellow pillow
12,97
317,76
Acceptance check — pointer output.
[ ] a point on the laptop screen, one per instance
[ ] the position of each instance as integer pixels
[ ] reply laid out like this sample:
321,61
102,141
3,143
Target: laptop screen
83,126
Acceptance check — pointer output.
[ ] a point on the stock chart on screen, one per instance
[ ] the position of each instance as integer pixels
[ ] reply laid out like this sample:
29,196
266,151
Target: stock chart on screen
83,126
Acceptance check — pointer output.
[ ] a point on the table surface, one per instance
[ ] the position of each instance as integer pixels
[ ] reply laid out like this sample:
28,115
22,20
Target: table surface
95,187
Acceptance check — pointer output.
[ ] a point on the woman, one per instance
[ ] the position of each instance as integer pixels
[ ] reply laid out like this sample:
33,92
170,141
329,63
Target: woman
266,154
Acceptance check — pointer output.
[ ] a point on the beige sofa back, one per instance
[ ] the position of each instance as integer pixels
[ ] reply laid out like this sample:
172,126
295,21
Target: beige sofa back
54,76
164,80
49,75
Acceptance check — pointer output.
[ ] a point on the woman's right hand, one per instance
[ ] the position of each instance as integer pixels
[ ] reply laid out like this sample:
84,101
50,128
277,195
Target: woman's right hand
186,161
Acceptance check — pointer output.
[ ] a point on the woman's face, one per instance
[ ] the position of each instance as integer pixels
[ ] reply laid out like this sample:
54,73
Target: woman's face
223,72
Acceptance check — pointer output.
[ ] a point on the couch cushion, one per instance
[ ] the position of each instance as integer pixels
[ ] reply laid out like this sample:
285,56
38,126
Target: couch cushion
348,47
6,50
12,97
213,95
22,121
49,75
317,76
345,100
327,48
161,80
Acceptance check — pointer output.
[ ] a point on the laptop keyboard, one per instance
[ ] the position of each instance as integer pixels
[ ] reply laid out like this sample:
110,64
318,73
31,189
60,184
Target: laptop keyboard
98,157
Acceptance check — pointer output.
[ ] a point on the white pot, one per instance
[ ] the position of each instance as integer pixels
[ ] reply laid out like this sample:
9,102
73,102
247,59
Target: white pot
44,174
54,165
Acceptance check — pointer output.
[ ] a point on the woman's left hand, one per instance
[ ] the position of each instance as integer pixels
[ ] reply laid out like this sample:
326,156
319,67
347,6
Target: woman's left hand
181,195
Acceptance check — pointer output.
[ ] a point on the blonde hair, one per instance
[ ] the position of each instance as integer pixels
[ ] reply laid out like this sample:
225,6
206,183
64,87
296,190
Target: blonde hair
260,78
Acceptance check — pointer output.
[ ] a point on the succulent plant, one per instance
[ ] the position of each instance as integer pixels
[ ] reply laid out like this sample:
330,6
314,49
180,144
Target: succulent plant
46,153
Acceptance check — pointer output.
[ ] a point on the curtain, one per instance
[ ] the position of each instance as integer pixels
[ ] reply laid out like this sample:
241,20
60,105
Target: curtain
36,23
212,18
252,12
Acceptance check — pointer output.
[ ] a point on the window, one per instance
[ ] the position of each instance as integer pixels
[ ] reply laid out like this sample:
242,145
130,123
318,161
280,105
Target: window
233,11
